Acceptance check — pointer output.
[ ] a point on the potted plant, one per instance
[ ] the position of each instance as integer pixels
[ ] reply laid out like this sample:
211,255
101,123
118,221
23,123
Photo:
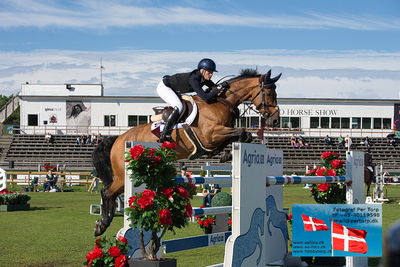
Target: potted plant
164,204
206,222
12,201
108,253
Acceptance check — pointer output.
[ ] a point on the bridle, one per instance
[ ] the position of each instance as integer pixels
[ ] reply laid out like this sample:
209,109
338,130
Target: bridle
265,113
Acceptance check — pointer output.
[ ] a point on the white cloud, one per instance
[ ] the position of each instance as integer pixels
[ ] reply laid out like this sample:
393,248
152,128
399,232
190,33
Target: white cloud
103,14
348,74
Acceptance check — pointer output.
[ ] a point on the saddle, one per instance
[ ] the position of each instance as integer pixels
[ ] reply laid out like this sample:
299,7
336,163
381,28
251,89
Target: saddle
162,113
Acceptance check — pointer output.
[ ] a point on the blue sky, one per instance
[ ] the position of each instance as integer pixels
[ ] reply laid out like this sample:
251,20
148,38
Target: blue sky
338,49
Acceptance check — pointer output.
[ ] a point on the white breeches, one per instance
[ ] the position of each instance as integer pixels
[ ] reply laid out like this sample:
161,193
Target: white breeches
169,96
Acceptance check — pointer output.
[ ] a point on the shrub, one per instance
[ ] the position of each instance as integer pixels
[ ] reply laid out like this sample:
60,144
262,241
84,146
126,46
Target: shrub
11,198
221,199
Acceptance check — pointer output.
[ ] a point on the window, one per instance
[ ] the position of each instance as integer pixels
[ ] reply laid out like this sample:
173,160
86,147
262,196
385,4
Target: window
254,122
335,123
325,122
109,120
345,123
295,121
285,122
135,120
314,122
366,123
377,123
356,123
33,120
387,123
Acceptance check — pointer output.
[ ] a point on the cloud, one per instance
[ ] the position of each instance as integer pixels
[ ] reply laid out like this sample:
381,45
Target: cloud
104,14
320,74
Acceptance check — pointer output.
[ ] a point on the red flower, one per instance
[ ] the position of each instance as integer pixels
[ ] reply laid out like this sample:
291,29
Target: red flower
183,192
311,172
337,163
230,221
331,172
121,261
320,172
290,217
328,154
136,151
165,217
6,191
167,192
131,201
157,159
323,187
114,251
188,211
146,201
169,145
94,254
122,239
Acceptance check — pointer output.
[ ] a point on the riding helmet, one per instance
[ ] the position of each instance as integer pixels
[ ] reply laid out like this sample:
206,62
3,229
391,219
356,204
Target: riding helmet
207,64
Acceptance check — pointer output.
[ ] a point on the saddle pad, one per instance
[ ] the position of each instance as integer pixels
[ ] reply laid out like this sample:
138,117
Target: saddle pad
189,120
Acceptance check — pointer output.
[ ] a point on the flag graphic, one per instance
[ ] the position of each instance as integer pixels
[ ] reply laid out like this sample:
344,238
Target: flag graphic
312,224
348,239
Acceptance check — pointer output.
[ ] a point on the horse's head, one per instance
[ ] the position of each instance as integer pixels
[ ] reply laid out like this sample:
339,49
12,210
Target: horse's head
259,90
265,99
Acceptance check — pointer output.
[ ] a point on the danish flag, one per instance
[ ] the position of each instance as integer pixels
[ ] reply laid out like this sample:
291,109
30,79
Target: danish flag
348,239
312,224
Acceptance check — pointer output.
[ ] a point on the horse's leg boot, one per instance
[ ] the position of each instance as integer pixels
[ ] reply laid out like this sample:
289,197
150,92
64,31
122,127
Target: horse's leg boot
173,117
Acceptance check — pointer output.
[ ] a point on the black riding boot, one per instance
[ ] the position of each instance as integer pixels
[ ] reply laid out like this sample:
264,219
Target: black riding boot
169,124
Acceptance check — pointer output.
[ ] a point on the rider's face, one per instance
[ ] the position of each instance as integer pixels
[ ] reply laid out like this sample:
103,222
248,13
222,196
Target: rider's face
207,74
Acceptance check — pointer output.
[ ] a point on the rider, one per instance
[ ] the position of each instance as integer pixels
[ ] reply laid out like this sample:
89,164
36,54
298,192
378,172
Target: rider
173,86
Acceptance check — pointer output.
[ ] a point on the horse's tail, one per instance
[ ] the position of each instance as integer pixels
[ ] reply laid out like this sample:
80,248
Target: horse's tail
101,160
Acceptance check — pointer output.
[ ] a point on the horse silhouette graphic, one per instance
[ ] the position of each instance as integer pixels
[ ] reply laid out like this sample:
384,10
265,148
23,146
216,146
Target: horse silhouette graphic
246,244
276,218
132,235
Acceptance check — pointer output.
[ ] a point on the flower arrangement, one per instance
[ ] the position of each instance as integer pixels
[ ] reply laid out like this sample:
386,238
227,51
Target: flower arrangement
110,253
164,204
48,167
206,222
12,198
329,193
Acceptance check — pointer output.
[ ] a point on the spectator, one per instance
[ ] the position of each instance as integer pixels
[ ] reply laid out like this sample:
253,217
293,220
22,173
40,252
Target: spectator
50,181
302,141
47,138
366,142
78,140
348,142
185,173
209,191
341,142
328,141
99,138
293,141
391,140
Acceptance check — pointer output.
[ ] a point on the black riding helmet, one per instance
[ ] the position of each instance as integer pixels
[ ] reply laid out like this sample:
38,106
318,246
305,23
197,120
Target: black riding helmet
207,64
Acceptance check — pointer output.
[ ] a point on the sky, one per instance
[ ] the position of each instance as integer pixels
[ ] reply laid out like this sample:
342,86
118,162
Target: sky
324,49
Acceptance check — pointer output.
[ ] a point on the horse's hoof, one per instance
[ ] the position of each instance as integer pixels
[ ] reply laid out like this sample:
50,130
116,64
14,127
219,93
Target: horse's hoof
99,228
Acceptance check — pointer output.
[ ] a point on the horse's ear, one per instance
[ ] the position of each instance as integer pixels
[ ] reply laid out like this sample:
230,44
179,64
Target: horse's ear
267,76
275,79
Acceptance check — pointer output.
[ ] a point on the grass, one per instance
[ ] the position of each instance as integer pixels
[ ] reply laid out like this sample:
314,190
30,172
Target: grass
58,230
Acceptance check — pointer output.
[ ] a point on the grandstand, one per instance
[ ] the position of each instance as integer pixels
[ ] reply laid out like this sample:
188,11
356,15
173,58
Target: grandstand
27,151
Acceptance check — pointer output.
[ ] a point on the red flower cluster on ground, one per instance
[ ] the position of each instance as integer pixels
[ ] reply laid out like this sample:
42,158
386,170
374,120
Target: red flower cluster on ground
94,254
108,253
325,172
6,191
206,223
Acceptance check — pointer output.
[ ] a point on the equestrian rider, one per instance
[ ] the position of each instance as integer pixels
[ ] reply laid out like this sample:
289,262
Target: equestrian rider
173,86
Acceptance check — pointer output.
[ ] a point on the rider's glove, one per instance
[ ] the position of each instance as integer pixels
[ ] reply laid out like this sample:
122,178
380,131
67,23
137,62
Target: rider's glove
223,85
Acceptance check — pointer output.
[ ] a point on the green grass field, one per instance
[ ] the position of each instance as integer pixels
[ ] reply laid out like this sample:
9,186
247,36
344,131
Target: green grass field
58,230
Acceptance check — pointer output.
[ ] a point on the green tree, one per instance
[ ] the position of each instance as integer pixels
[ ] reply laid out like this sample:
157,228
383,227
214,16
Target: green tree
14,118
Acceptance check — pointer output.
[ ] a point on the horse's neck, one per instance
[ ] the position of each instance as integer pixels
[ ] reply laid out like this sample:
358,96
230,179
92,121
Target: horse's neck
239,93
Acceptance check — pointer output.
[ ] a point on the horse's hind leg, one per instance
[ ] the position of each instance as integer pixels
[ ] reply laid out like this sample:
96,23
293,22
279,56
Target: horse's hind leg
107,211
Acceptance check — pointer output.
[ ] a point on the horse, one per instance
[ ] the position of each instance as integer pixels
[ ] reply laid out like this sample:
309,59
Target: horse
369,171
213,126
246,244
276,218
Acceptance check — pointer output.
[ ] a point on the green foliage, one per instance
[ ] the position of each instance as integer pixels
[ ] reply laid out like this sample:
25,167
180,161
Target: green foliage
14,198
4,99
221,199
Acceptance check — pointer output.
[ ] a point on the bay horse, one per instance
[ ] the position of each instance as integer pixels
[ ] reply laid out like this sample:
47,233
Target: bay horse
214,127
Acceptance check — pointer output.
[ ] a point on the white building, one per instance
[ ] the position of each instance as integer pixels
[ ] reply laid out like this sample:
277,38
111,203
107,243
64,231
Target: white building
82,108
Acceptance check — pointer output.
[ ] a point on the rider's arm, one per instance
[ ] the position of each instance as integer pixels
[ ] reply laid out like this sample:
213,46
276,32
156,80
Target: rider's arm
195,83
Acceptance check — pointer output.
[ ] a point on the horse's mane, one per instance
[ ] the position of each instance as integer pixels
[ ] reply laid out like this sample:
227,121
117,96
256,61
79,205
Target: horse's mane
246,73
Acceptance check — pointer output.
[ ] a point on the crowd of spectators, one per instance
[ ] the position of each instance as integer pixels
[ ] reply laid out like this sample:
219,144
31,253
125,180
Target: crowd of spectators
298,141
87,139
